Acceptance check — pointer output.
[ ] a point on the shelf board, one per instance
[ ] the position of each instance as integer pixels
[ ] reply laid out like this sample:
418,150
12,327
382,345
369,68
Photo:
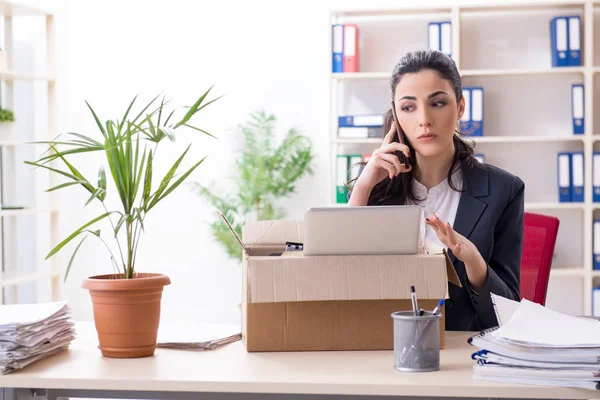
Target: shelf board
15,76
566,271
515,6
10,8
359,141
533,71
481,139
23,211
553,206
467,72
13,279
524,139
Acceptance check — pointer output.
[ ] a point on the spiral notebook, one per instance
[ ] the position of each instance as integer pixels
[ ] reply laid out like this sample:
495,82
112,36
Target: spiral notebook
504,308
535,325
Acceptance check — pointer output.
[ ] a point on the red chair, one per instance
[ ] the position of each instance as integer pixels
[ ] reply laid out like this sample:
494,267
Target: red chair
539,239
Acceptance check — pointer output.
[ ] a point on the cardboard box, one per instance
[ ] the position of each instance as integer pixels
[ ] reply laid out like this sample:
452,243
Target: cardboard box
296,303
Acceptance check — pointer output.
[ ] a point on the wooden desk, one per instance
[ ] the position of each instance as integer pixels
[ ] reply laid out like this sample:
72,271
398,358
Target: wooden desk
231,372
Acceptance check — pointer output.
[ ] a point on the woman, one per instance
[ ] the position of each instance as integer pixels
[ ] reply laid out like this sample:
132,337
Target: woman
474,210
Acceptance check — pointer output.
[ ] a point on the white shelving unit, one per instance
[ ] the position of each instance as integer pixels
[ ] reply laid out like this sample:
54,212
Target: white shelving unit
527,106
43,275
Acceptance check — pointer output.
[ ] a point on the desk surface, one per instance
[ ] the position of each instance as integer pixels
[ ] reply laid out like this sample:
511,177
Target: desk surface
232,369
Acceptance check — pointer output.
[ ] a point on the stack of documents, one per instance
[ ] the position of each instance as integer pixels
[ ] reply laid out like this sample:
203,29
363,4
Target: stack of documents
538,346
31,332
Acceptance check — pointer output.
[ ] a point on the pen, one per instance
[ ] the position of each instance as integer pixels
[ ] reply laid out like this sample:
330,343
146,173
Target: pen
437,308
413,296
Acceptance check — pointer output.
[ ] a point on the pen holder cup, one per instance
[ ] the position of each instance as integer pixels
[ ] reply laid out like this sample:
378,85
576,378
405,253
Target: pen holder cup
416,341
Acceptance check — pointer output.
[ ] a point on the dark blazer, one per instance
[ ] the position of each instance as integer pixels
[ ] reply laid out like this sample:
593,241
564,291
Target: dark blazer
490,215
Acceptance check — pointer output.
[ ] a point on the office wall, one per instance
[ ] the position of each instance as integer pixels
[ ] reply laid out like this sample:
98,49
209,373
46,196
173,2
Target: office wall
260,54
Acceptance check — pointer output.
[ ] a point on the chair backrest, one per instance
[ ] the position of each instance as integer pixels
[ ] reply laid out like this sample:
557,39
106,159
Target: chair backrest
539,238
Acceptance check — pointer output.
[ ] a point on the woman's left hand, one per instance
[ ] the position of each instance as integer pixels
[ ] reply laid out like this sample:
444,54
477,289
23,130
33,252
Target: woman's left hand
461,247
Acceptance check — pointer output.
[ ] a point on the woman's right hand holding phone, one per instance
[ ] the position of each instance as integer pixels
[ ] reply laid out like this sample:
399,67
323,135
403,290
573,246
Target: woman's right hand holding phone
383,162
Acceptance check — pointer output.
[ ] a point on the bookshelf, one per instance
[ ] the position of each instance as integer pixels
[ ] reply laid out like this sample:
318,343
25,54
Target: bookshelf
28,216
517,75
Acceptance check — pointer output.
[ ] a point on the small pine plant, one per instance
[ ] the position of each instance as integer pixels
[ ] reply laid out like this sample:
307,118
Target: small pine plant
264,173
6,115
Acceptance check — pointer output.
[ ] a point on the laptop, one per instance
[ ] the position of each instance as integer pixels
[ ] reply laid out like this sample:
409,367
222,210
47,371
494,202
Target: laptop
360,230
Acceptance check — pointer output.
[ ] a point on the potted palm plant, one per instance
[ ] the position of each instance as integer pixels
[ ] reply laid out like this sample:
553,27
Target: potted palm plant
126,303
265,172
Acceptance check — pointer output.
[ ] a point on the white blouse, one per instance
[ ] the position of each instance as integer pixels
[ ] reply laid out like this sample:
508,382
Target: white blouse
441,200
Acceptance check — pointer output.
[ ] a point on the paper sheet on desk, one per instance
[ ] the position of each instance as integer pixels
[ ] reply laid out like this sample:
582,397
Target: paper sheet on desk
197,336
11,318
532,323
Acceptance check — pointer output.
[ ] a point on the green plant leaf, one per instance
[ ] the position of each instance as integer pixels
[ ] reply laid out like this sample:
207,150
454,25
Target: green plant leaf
165,182
102,182
138,215
72,258
75,172
147,182
35,164
64,185
138,178
180,180
120,224
87,139
193,109
200,130
144,109
126,114
98,193
97,119
75,234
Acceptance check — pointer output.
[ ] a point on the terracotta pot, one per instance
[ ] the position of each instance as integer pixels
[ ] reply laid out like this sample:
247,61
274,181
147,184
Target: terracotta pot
127,313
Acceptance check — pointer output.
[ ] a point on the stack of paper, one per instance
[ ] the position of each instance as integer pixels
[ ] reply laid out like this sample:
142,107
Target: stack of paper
31,332
538,346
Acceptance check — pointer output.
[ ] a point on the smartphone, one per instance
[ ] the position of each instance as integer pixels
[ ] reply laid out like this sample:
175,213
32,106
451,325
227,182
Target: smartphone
399,154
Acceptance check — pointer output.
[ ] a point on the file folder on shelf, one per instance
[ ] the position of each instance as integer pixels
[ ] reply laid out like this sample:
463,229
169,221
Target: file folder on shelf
341,174
574,53
596,301
440,37
360,132
471,123
596,176
338,47
577,177
577,108
597,244
366,121
354,161
564,177
559,41
350,48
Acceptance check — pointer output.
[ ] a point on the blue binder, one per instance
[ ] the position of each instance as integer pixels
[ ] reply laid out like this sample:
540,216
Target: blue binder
439,37
366,121
471,123
596,176
338,47
578,108
559,33
577,177
564,177
574,54
597,244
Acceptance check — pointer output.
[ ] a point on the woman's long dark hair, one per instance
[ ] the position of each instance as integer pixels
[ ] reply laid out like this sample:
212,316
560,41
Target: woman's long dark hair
401,186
